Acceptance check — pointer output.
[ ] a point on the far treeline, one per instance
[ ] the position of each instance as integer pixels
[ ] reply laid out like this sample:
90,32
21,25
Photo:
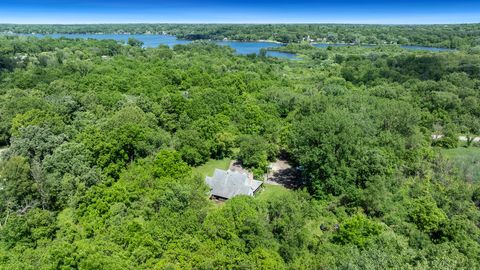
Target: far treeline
455,36
101,143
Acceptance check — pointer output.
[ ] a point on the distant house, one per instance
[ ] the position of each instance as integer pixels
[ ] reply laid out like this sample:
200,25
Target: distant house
228,184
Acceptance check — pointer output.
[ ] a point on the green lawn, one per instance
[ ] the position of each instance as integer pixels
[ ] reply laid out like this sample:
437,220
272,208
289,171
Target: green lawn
209,167
467,160
270,191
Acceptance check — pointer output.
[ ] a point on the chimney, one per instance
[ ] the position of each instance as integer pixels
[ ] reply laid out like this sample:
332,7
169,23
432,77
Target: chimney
250,178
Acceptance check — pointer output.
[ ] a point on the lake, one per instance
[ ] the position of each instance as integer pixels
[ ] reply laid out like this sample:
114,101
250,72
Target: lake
422,48
241,47
151,41
285,55
407,47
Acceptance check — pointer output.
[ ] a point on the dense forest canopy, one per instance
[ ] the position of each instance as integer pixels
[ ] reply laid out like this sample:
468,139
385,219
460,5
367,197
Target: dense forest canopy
447,36
103,143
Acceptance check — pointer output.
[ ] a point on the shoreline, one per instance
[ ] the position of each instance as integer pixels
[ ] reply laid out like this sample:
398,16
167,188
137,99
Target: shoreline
270,41
236,40
137,34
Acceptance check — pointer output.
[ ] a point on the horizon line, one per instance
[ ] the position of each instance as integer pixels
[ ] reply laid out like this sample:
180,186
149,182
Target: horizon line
239,23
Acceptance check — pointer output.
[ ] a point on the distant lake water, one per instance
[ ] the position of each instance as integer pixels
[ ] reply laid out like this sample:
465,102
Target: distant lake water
152,41
286,55
422,48
242,48
407,47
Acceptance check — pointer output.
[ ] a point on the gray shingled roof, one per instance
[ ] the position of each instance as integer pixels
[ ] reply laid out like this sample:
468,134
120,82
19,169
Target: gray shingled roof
227,184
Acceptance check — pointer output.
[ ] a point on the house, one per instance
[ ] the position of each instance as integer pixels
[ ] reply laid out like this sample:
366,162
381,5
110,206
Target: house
228,184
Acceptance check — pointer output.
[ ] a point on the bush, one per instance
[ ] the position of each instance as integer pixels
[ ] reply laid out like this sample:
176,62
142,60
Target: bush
357,230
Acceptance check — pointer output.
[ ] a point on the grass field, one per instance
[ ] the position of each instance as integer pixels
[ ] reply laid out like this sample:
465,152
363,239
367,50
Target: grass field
467,160
209,167
270,191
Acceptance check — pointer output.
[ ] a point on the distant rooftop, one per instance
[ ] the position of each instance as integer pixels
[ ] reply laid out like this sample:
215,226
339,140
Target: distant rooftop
228,184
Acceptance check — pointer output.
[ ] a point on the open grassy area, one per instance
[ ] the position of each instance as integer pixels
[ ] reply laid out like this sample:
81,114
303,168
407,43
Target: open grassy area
467,160
209,167
270,191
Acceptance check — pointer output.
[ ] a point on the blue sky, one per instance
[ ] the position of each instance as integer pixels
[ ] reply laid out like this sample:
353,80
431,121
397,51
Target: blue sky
240,11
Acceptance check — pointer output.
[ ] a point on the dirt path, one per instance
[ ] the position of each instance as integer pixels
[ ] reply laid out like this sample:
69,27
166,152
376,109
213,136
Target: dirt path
282,173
